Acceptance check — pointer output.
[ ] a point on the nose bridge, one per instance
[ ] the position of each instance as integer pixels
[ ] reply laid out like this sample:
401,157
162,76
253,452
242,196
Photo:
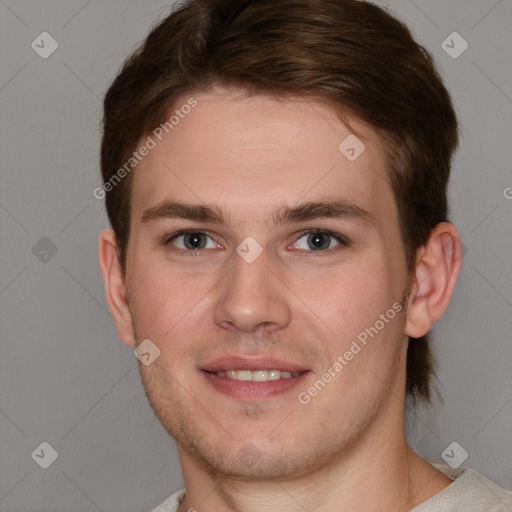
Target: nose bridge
252,296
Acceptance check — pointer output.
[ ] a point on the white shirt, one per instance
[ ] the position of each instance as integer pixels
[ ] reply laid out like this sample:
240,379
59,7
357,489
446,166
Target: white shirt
469,492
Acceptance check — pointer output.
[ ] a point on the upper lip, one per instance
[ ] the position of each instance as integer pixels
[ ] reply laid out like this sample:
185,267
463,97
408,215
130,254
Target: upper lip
251,363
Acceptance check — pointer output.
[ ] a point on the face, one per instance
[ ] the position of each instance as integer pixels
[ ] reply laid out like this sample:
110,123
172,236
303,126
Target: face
268,269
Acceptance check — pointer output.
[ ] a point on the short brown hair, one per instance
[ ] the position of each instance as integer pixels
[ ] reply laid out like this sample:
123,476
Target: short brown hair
350,53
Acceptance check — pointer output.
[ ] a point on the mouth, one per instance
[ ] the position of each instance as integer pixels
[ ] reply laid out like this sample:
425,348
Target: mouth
256,375
253,379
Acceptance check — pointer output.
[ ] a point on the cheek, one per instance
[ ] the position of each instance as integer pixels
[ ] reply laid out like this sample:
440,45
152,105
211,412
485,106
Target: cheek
155,299
367,340
348,298
167,303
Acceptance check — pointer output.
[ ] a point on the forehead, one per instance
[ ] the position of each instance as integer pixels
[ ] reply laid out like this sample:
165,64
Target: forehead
251,154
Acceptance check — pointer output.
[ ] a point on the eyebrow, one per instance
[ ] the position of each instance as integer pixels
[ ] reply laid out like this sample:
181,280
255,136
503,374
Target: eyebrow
331,208
176,210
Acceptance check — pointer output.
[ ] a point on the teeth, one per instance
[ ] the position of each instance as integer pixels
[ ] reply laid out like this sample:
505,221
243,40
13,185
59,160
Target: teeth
243,375
258,375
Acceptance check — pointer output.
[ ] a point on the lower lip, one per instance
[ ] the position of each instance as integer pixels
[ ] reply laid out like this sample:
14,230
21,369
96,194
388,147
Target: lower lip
252,390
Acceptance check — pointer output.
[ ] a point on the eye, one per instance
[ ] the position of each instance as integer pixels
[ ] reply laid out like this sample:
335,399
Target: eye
319,240
191,241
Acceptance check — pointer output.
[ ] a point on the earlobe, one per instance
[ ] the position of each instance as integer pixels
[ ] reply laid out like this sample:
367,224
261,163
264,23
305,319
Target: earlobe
437,268
115,286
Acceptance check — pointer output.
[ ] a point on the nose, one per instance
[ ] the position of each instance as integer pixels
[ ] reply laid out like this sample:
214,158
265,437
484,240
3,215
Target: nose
253,298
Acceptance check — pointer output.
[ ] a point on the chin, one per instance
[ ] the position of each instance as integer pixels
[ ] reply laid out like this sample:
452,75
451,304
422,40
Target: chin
250,463
254,456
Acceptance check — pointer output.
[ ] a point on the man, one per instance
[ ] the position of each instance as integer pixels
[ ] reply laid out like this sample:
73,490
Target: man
275,176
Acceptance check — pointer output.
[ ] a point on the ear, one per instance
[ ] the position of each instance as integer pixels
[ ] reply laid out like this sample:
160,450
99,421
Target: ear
438,265
115,286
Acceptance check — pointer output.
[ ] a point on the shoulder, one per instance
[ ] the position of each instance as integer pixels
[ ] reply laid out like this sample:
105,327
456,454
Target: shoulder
469,492
171,503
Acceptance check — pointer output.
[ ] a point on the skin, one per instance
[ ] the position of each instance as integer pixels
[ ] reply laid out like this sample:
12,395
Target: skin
252,156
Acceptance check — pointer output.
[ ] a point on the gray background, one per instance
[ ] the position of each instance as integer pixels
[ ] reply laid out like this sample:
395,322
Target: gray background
67,380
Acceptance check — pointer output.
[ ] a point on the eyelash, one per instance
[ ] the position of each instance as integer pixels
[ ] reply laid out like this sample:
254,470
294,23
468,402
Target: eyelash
341,239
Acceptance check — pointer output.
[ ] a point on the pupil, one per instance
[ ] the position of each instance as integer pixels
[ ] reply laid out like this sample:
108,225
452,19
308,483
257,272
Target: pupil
193,241
317,241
